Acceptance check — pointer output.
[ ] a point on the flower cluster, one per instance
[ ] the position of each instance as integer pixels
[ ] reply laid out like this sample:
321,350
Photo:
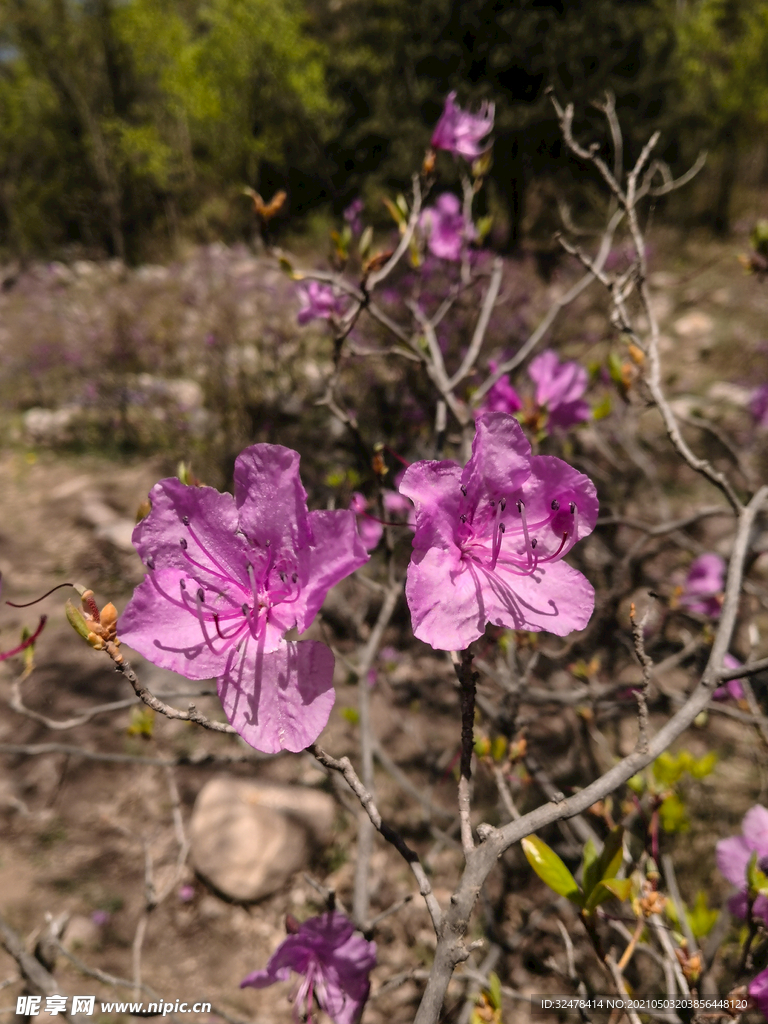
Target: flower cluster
557,399
459,131
334,962
734,855
490,539
702,591
318,302
444,228
228,577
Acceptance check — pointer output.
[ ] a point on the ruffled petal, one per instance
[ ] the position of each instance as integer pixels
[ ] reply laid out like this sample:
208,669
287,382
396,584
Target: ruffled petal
500,462
732,859
282,700
291,955
335,552
446,599
435,490
551,480
193,529
755,829
556,598
158,625
270,498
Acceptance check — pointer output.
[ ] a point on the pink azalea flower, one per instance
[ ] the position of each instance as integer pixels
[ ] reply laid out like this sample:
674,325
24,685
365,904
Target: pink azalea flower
703,588
335,964
318,302
228,577
490,539
733,856
459,131
758,990
353,215
559,387
732,690
502,397
443,226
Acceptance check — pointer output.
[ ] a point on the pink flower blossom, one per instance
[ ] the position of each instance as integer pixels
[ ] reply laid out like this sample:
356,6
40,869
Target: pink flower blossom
734,854
353,215
559,387
758,990
335,964
444,227
490,539
502,397
731,690
703,587
459,131
228,577
318,302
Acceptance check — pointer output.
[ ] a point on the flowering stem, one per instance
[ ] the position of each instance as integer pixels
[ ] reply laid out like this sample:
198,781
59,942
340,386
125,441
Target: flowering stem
462,664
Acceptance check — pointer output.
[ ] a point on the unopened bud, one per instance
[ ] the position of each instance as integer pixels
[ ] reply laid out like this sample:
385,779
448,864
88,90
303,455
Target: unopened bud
76,620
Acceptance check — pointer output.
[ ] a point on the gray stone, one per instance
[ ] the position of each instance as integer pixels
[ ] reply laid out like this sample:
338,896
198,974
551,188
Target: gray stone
248,838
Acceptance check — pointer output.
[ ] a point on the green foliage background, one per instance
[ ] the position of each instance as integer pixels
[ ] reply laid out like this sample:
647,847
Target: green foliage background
126,125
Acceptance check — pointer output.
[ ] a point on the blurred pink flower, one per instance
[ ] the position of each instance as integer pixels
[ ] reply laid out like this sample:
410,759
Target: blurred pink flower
335,964
734,854
186,893
353,216
318,302
228,577
459,131
559,387
732,690
444,228
758,990
502,397
490,539
370,530
703,587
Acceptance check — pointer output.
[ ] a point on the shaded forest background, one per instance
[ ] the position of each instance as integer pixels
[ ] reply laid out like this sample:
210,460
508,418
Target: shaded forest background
130,126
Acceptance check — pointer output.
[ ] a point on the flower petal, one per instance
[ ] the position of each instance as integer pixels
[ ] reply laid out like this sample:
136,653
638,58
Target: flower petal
556,598
755,829
435,490
446,599
271,501
732,858
335,552
158,625
281,700
500,458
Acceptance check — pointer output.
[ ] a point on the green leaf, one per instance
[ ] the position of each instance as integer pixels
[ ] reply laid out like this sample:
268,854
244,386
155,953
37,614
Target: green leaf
551,870
608,888
350,715
702,918
613,853
590,867
673,815
364,244
602,408
494,990
704,766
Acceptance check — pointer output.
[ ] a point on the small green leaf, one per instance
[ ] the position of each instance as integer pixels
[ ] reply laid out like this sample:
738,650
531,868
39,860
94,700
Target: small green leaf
551,870
673,815
76,619
366,239
702,918
613,853
590,867
602,408
607,888
350,715
704,766
494,990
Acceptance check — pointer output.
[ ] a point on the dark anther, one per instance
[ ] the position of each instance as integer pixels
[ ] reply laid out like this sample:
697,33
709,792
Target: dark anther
200,594
503,504
182,584
185,520
267,543
520,505
555,504
294,577
464,490
502,528
534,542
463,519
572,508
183,543
282,577
493,503
150,563
244,609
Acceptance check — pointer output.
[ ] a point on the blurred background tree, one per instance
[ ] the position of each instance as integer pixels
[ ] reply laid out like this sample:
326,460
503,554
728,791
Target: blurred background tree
129,125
